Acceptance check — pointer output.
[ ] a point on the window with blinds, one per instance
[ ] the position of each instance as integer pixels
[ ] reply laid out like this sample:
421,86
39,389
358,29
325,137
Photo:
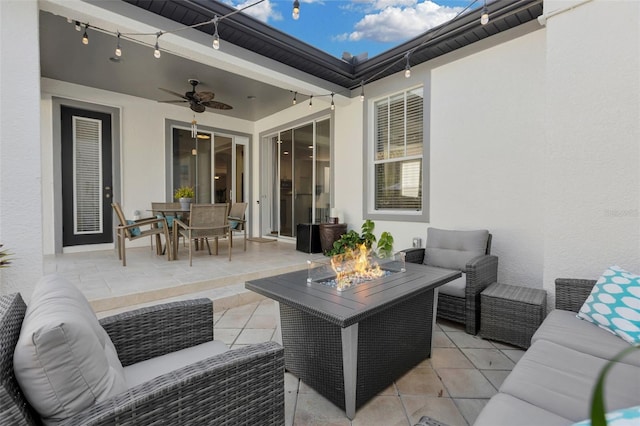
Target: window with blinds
397,163
87,175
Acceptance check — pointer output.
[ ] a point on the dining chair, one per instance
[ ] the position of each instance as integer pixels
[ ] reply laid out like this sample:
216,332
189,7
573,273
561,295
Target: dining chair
237,220
169,212
205,221
134,229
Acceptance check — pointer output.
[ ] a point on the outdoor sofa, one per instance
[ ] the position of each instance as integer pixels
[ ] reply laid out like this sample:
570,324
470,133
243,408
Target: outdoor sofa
156,365
552,383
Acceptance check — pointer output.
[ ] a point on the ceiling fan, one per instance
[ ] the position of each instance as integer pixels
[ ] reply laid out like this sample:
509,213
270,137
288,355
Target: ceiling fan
198,101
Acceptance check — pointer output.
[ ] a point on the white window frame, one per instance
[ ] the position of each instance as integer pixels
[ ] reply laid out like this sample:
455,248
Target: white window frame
370,212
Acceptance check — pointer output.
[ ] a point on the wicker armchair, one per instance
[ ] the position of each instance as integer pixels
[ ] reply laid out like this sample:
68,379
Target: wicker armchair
480,271
240,387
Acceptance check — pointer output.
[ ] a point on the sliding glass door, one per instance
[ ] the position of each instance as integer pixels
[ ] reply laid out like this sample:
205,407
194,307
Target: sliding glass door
298,165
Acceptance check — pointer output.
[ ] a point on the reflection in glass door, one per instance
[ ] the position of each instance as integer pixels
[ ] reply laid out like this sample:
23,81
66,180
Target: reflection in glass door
230,166
300,171
217,175
192,163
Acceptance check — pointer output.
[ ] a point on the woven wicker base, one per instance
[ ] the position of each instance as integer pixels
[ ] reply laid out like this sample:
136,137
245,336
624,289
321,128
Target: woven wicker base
390,343
511,314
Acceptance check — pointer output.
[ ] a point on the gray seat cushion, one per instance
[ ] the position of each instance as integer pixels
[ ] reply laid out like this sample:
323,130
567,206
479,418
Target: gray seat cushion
561,380
453,249
564,328
455,288
144,371
505,410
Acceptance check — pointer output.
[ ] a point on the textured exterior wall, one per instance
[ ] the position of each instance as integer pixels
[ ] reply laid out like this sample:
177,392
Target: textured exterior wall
592,176
487,140
20,194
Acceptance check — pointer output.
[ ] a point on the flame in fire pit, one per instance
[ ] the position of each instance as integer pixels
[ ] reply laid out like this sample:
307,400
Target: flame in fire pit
355,266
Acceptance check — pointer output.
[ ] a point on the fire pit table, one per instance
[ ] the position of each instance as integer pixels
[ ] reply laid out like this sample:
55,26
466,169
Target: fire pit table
351,344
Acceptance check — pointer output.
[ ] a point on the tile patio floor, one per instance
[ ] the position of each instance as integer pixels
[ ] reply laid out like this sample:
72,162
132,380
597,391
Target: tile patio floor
463,373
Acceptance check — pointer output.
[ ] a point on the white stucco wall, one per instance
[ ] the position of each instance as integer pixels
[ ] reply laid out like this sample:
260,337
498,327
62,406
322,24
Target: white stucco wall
142,155
487,150
20,205
592,113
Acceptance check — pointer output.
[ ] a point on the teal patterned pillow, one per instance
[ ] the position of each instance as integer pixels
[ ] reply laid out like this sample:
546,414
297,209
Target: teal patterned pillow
614,304
623,417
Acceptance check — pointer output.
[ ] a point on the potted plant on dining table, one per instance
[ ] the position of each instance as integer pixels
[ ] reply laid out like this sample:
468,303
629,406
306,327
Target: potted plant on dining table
184,195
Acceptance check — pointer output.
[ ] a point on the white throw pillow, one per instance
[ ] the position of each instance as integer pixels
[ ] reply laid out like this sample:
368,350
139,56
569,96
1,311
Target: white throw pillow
64,361
614,304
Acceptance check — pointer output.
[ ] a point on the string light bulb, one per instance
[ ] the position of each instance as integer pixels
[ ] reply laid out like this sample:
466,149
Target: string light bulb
296,10
310,100
362,91
118,50
407,68
295,101
85,36
333,105
156,52
216,37
484,18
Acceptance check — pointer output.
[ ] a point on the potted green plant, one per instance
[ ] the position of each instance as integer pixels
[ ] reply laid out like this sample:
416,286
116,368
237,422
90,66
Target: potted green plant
184,195
351,240
4,258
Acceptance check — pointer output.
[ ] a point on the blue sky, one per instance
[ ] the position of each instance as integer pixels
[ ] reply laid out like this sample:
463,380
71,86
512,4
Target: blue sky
356,26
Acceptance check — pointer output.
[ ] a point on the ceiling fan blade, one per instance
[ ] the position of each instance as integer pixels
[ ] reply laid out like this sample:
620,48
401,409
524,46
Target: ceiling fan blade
173,93
216,105
172,102
204,96
197,107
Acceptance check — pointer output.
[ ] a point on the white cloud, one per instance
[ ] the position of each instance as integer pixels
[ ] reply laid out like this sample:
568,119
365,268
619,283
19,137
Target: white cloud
262,11
399,20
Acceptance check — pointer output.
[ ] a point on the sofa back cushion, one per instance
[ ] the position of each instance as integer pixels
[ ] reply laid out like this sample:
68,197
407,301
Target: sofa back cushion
64,361
453,249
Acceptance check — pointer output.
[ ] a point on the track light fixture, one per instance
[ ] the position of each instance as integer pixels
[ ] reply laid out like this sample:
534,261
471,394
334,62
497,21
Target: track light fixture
216,37
484,18
118,50
296,10
333,105
85,37
407,68
156,52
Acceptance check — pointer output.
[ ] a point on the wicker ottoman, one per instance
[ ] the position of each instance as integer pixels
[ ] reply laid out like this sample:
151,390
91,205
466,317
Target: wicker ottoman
511,314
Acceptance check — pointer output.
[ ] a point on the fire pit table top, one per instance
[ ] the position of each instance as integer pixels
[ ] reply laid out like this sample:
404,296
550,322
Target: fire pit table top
352,305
